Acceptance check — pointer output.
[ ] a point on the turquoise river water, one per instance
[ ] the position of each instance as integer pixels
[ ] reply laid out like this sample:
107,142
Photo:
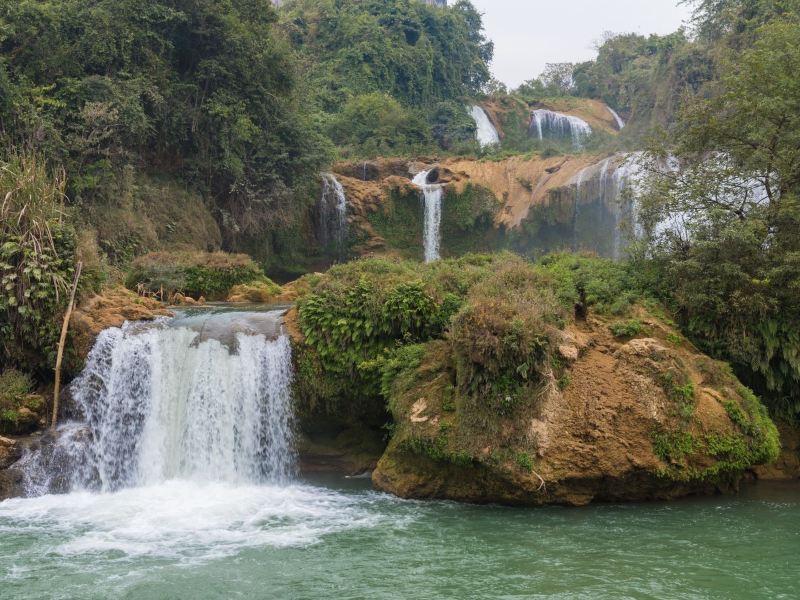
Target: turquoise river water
339,539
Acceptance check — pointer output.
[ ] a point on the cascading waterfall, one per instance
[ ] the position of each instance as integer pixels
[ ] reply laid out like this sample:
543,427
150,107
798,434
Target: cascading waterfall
487,134
175,400
608,187
617,118
332,214
547,124
432,195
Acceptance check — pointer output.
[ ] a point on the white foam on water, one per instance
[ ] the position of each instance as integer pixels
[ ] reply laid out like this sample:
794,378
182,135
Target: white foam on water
187,519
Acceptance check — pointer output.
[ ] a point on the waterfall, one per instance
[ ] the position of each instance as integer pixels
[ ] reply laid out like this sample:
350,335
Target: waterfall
332,215
204,398
547,124
604,204
617,118
487,134
432,194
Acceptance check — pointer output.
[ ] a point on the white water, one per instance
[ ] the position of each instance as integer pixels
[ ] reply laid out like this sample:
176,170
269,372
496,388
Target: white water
549,124
164,401
432,194
487,134
617,118
185,449
188,519
332,213
612,183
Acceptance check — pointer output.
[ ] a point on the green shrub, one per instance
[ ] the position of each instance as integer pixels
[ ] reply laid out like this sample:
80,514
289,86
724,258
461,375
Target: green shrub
525,462
607,286
628,329
195,274
37,261
13,385
15,394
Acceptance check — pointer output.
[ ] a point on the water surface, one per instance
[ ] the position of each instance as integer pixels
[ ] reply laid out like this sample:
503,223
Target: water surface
337,539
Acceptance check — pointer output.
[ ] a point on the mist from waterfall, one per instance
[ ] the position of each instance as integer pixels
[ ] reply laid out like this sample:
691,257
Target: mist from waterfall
606,209
432,197
546,124
165,401
486,133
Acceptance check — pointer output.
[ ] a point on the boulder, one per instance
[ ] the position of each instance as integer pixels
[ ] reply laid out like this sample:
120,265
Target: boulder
642,420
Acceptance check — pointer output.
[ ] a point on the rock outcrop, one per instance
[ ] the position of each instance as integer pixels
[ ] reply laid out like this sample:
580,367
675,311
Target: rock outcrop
110,308
10,452
629,419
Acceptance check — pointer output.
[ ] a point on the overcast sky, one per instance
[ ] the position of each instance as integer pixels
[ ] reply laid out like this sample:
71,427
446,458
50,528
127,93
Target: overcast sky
528,34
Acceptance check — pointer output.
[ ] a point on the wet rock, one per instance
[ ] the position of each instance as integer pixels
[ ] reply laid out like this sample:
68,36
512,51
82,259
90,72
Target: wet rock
10,452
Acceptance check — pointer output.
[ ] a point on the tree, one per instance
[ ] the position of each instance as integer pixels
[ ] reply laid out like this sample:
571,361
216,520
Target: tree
732,268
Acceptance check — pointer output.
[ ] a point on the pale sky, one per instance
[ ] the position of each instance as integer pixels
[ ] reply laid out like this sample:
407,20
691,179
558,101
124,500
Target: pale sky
528,34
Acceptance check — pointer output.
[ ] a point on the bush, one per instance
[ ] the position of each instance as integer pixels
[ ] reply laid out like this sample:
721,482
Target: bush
19,408
628,329
211,275
37,261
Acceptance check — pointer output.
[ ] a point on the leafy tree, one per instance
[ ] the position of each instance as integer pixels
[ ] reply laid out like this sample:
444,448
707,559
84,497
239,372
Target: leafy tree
378,124
201,89
418,55
732,267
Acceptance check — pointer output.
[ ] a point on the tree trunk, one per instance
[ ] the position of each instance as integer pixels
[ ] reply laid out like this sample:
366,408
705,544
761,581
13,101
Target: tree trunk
62,341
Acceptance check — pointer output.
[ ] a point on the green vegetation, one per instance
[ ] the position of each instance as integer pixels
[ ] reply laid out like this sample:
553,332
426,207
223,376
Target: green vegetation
37,258
210,275
732,276
206,94
627,329
390,77
368,324
19,407
525,462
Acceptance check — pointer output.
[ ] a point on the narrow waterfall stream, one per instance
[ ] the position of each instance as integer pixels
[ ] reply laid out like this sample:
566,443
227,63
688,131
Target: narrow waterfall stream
486,133
617,118
331,216
432,196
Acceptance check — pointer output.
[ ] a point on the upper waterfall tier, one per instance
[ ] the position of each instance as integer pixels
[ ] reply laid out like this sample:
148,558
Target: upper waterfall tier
546,124
486,133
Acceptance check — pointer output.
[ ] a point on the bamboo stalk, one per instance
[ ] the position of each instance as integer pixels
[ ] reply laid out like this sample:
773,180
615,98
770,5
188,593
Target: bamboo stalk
62,342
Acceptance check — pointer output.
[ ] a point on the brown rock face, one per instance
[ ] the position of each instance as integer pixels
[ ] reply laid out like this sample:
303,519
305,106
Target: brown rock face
629,420
111,308
10,452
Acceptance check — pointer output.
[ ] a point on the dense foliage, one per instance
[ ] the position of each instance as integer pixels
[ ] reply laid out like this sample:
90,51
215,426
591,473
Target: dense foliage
37,254
360,53
732,269
498,314
203,90
195,274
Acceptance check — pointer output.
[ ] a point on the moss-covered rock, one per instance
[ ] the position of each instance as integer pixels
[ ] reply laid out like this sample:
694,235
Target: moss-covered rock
194,274
606,426
506,382
20,409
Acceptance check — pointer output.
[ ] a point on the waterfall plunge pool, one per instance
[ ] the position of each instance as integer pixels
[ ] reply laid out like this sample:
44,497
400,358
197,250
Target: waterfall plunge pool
181,484
339,539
